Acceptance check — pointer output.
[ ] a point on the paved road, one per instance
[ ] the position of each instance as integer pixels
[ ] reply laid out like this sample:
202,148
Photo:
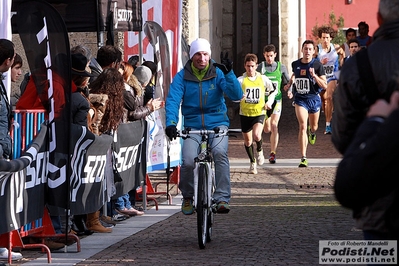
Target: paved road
278,217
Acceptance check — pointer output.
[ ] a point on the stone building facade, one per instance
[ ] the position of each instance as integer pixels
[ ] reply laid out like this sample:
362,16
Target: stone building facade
246,26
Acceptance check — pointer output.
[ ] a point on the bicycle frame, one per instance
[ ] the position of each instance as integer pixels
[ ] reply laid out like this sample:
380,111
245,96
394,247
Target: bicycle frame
204,203
207,161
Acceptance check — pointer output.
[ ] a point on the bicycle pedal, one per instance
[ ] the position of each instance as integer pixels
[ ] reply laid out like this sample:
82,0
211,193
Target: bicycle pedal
214,208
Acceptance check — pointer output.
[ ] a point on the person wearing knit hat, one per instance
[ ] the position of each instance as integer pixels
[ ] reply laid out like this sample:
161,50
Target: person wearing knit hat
199,45
143,74
199,90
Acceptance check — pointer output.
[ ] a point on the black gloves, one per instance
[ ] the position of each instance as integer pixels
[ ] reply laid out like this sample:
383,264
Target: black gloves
171,132
226,64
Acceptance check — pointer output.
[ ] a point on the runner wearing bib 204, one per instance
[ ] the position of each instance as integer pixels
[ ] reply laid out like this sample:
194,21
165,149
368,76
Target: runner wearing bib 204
310,79
306,88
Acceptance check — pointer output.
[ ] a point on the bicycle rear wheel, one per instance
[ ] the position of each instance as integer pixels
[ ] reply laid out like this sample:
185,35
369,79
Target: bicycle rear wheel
202,206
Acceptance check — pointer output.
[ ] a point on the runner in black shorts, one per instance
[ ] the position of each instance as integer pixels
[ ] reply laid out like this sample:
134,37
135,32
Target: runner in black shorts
253,109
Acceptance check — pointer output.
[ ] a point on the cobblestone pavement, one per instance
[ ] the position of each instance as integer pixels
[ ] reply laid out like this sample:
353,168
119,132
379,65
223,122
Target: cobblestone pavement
277,218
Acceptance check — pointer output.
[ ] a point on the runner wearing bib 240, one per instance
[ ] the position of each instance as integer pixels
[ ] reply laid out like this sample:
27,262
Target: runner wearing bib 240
310,80
331,56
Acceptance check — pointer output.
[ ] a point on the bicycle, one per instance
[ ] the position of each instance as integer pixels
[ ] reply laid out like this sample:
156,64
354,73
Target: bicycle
204,181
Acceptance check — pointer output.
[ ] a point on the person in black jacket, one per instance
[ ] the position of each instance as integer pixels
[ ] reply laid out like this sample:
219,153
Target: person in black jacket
80,76
369,75
363,185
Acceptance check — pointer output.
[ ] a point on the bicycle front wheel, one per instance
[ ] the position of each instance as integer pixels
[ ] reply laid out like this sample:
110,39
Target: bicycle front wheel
202,206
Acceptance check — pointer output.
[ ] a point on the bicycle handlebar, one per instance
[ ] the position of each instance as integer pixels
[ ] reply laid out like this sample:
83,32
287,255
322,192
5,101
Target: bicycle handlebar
219,132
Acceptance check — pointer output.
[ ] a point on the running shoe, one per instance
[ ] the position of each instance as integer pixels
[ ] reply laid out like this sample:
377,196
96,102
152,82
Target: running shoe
260,159
272,157
311,136
303,163
223,207
187,207
252,169
328,130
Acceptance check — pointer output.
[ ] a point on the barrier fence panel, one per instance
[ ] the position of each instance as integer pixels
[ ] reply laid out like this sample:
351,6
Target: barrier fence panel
25,127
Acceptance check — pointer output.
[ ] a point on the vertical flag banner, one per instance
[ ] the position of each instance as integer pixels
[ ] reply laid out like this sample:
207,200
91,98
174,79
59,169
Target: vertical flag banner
45,39
162,45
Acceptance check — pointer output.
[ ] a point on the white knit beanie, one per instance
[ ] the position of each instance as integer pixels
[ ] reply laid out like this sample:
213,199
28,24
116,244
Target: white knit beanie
143,74
199,45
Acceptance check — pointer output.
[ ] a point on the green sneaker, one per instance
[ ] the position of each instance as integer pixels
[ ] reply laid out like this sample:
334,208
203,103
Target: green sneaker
303,163
311,136
222,207
187,207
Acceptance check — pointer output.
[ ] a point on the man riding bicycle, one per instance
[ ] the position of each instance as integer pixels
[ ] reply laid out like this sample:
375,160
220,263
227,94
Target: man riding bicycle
200,88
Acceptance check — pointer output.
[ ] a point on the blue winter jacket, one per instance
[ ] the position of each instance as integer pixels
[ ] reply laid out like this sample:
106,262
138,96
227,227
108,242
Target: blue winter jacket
202,102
